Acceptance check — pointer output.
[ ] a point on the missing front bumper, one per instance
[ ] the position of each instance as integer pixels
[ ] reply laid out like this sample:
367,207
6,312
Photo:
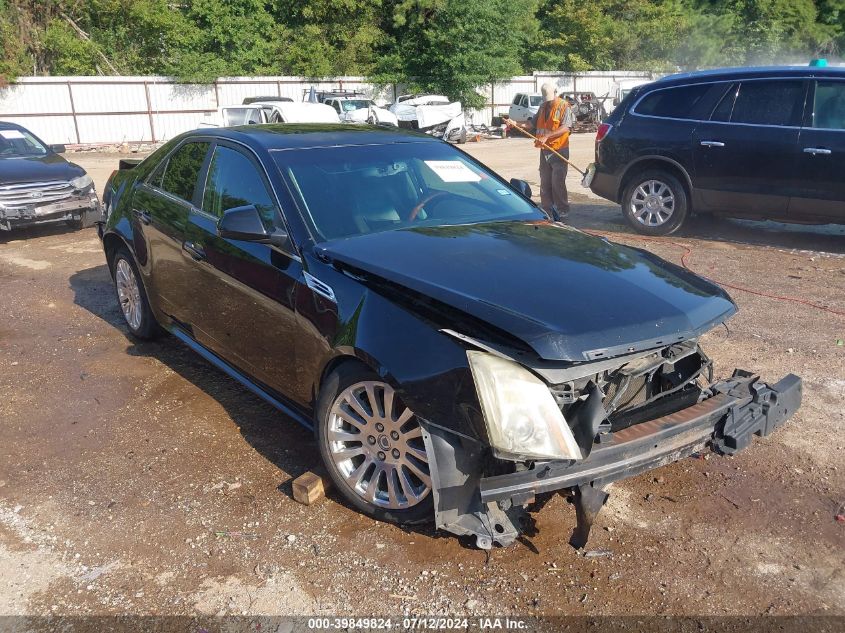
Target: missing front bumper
85,207
488,507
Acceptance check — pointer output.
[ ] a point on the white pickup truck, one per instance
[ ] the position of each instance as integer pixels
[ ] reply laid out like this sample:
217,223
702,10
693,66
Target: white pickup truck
524,106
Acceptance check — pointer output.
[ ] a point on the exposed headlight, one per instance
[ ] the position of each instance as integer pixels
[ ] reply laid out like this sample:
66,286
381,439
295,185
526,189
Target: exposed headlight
522,417
82,182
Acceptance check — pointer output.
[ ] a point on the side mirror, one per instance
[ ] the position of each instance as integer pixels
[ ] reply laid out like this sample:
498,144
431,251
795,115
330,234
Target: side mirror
58,149
616,101
522,187
244,223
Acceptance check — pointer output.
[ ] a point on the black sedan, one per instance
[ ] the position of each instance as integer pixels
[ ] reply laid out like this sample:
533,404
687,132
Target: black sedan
457,353
38,186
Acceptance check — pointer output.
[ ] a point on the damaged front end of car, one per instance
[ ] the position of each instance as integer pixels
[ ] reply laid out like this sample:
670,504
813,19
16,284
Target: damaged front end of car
31,203
574,428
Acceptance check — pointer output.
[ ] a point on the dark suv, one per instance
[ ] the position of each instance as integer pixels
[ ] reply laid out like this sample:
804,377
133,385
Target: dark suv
763,143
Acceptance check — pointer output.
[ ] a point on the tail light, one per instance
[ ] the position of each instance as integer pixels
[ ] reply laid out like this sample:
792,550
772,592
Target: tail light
604,128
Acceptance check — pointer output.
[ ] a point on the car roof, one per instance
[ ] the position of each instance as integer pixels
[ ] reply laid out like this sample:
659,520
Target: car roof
276,136
8,125
752,72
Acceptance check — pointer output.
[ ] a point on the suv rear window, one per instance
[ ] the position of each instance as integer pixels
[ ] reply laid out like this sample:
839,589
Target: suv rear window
674,103
764,103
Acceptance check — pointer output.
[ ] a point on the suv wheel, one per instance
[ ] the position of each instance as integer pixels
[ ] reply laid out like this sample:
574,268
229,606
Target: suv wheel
132,297
372,447
655,203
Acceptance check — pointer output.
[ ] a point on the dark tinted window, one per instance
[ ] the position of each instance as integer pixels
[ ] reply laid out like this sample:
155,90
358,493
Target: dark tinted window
183,167
234,181
769,103
829,107
675,103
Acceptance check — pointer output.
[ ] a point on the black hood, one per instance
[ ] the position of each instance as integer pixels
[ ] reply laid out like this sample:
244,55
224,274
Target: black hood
568,295
37,169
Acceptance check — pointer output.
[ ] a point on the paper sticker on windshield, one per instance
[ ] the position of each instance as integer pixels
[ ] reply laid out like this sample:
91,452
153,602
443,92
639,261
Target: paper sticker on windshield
452,171
10,134
503,192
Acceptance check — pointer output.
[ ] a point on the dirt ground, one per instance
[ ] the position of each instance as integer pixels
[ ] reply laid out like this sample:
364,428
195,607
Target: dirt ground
137,479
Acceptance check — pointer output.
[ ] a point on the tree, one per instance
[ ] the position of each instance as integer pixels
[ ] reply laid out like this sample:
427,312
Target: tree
330,37
453,47
13,55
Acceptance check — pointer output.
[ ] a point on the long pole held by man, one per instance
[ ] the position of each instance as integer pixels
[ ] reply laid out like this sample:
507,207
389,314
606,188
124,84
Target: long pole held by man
552,126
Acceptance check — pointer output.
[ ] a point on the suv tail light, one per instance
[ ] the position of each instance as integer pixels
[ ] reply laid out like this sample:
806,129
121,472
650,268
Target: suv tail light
604,128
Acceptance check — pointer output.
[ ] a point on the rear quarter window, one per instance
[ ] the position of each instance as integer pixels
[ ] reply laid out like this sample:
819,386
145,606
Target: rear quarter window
673,103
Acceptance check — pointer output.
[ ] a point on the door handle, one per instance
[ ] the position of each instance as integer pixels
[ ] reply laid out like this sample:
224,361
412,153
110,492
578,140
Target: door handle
712,143
817,150
194,250
143,216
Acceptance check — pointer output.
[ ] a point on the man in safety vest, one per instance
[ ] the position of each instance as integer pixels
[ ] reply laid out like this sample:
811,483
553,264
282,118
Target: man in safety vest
552,125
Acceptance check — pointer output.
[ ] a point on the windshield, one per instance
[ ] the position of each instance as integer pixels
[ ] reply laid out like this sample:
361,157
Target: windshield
356,190
536,100
355,104
16,143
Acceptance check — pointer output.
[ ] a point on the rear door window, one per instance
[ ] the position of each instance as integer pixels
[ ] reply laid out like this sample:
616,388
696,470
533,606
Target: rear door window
777,102
829,105
235,181
182,170
725,108
673,103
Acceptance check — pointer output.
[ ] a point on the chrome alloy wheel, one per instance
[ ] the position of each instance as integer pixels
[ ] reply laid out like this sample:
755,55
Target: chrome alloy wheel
128,293
377,447
652,203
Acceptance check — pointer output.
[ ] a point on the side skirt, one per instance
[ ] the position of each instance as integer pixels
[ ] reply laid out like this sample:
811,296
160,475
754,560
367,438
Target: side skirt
242,378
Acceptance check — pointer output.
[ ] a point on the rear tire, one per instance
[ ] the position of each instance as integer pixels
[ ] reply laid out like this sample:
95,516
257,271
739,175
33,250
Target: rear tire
372,447
655,203
132,296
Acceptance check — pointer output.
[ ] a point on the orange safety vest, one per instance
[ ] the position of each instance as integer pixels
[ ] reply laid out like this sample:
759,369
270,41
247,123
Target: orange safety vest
549,118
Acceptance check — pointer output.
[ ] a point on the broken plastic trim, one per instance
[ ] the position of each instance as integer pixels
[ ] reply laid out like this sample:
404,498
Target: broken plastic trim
491,508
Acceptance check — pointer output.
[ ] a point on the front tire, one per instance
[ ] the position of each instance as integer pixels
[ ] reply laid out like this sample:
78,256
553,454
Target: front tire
655,203
372,447
132,297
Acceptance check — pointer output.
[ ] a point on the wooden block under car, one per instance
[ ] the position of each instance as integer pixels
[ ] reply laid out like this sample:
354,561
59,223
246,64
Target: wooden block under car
310,487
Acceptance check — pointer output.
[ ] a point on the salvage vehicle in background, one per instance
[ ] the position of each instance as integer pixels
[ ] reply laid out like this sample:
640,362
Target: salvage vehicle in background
759,143
623,88
250,100
38,186
458,354
360,109
524,107
588,109
297,112
259,112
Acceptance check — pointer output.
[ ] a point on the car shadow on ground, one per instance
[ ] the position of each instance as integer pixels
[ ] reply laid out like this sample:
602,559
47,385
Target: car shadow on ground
830,238
277,437
42,230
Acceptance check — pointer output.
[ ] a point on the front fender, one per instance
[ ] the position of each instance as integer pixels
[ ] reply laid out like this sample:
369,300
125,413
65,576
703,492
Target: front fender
429,369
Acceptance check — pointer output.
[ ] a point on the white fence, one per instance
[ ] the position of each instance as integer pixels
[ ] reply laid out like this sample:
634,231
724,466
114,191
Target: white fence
92,110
